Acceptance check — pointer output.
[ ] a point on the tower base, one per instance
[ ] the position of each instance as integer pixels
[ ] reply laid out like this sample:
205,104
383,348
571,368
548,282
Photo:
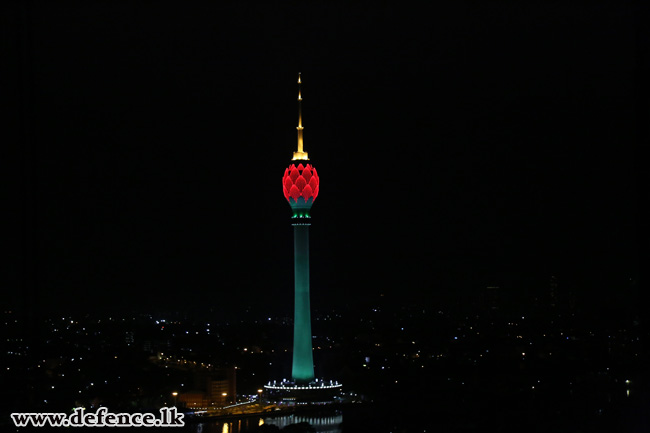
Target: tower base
317,392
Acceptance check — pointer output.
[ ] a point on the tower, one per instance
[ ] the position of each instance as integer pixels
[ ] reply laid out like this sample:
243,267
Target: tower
300,186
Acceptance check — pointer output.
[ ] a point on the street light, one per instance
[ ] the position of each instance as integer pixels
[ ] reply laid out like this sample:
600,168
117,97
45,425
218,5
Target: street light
175,394
259,397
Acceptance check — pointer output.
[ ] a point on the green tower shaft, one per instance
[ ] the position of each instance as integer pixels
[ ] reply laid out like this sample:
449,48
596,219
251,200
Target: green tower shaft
303,359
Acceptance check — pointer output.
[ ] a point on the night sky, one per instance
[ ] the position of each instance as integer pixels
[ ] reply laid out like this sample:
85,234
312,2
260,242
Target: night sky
461,146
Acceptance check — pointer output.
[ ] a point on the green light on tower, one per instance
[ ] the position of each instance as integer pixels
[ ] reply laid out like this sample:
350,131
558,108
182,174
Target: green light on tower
301,186
303,361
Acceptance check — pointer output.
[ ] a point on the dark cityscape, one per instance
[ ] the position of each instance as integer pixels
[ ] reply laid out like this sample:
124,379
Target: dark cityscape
471,261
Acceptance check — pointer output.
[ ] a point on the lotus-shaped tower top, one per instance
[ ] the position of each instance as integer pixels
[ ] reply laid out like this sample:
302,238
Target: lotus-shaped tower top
300,183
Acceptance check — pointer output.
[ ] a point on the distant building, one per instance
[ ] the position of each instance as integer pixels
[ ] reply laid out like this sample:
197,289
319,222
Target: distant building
222,387
196,400
215,389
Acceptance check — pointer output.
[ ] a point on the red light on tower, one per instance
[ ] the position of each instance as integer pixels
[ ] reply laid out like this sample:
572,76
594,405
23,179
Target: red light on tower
300,184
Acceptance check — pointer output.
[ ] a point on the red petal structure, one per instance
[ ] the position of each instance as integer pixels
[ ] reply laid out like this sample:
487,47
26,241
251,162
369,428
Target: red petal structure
301,181
294,173
314,183
307,192
294,192
306,173
287,183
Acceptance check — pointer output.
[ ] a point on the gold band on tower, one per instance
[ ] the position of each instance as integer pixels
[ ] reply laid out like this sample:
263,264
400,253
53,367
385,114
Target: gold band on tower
299,154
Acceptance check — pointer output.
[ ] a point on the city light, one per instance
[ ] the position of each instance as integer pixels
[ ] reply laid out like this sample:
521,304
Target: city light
303,387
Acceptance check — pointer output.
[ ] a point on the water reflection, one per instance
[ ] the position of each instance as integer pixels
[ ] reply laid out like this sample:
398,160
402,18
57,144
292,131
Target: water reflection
323,424
330,423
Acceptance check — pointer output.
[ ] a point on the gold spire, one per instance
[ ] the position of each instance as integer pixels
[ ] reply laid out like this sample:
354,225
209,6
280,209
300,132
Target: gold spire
299,154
